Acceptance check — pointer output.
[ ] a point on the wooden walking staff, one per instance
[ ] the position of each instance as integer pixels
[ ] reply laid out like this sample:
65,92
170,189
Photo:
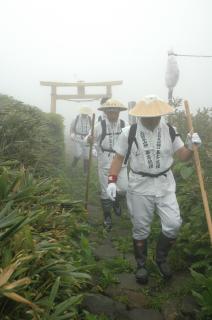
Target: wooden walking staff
89,163
199,173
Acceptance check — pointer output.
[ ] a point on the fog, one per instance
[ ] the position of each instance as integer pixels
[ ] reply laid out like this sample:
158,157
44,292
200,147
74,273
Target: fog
98,40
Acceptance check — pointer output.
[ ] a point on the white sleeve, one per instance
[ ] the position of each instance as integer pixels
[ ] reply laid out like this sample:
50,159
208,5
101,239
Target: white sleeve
177,143
121,145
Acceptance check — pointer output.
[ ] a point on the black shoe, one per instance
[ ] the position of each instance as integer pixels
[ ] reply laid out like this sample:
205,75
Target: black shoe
163,247
107,224
165,270
117,210
141,275
140,250
117,206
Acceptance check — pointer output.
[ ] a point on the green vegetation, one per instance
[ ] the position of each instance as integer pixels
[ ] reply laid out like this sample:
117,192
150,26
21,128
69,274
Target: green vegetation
32,137
46,242
43,270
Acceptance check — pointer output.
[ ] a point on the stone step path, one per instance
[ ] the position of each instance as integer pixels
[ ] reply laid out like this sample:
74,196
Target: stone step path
126,299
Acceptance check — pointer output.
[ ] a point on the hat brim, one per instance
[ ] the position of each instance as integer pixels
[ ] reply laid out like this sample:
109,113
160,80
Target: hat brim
114,109
153,109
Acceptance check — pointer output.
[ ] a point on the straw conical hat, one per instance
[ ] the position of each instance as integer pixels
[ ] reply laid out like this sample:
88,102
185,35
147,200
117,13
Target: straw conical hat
85,110
112,104
151,106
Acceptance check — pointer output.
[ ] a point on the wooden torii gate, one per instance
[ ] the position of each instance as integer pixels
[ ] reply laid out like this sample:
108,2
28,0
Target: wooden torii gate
81,91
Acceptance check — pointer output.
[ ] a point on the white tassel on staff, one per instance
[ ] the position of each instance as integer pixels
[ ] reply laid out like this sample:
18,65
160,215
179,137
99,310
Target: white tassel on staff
172,74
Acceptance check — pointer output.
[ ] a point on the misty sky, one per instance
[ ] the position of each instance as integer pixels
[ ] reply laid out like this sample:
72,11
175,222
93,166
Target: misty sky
103,40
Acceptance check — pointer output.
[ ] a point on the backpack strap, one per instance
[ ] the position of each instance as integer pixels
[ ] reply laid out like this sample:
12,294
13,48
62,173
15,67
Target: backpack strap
131,139
172,132
103,124
75,124
122,123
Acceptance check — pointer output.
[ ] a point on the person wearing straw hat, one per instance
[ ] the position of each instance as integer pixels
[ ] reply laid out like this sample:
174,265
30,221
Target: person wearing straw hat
79,129
106,133
151,183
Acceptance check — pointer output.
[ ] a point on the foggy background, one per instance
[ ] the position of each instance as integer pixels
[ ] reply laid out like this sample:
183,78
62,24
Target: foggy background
104,40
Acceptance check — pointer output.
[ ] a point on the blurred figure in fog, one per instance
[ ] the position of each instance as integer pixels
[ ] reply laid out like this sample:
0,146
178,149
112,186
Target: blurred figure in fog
79,129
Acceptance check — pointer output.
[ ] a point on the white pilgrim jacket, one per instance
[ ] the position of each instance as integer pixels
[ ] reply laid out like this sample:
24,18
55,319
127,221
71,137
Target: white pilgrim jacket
154,155
82,127
114,129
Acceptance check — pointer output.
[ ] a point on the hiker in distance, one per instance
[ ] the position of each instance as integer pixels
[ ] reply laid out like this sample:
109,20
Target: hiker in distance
79,129
103,115
106,133
151,186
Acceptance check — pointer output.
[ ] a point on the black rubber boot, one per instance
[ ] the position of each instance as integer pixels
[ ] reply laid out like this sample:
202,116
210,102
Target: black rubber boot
163,246
85,166
74,162
117,205
106,207
140,250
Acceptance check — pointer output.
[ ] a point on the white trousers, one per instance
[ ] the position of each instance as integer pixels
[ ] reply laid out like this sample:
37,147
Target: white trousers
142,208
122,182
80,149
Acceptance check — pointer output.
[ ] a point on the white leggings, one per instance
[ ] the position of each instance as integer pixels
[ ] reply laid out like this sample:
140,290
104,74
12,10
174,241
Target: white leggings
142,208
80,149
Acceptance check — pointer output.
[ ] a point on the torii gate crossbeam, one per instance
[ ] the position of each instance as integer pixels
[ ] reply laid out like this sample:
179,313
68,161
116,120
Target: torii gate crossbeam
81,91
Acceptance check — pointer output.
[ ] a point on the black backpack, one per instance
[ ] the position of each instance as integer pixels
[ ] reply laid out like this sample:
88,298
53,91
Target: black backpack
132,138
104,133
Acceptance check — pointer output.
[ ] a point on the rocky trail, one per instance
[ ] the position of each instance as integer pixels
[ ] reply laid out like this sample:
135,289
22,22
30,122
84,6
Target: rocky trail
115,294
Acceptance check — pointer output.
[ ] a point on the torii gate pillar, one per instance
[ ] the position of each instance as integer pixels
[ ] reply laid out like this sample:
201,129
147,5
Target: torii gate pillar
53,98
81,92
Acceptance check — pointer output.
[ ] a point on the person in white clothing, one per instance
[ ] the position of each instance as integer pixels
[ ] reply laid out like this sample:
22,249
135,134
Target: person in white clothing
151,144
106,133
79,129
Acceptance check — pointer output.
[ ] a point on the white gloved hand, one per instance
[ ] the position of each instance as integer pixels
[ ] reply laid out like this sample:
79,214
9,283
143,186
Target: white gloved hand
111,191
193,139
